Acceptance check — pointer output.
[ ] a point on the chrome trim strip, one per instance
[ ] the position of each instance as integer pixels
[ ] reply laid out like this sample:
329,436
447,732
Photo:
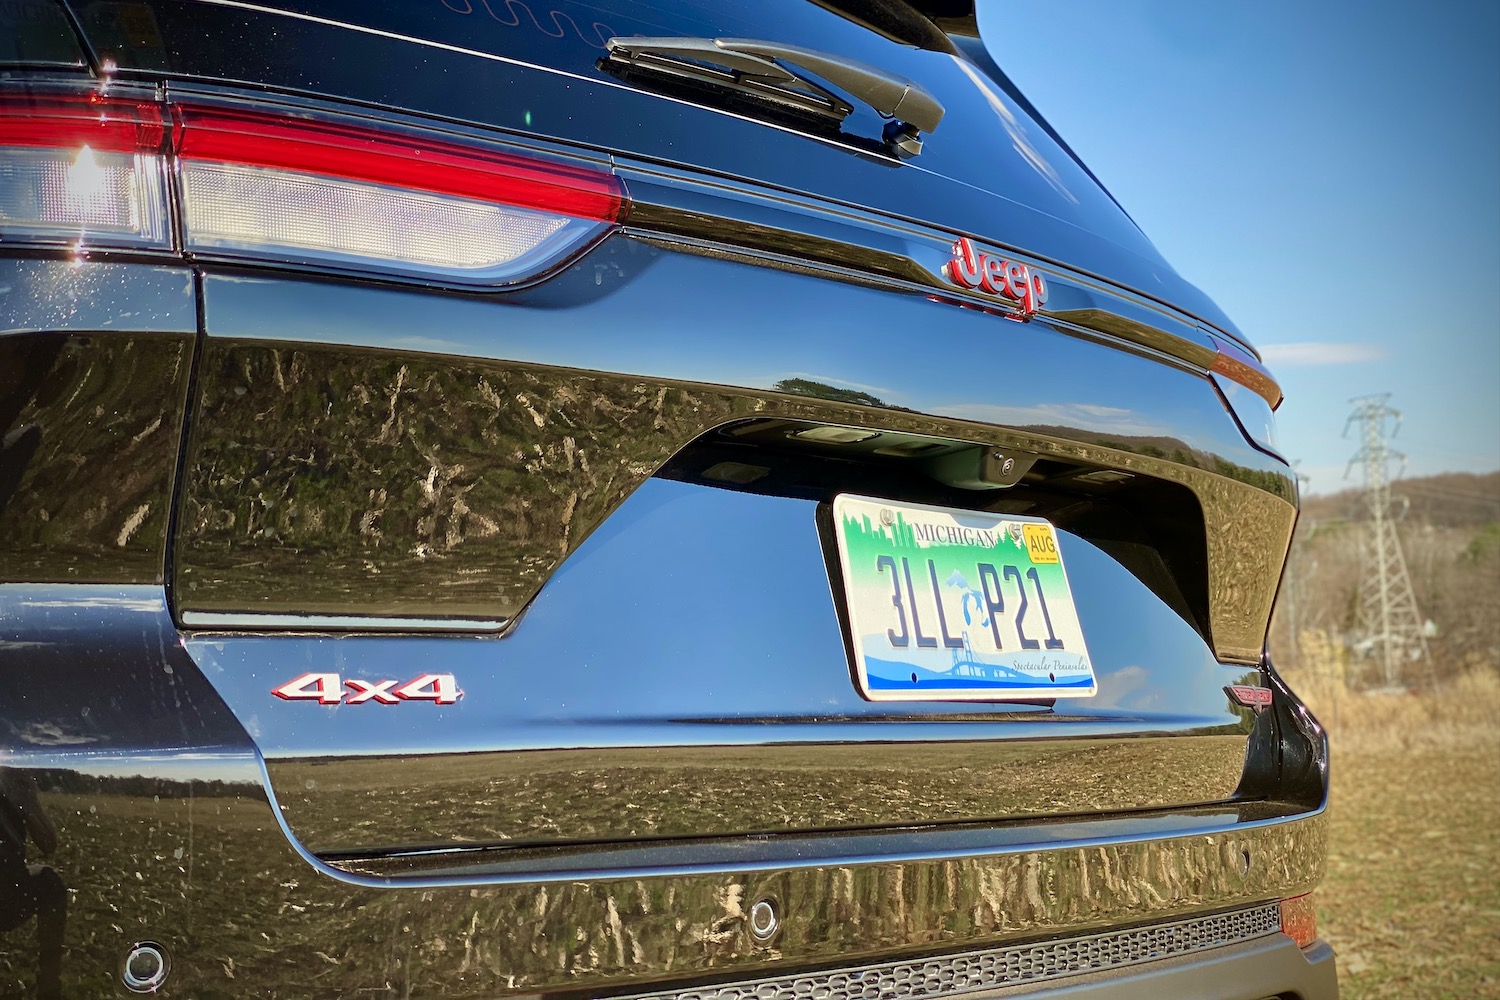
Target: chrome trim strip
942,976
634,795
726,214
213,621
1110,329
1251,859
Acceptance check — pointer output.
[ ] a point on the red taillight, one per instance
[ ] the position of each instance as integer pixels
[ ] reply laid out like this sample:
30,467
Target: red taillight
351,197
90,172
83,172
103,124
356,153
1299,920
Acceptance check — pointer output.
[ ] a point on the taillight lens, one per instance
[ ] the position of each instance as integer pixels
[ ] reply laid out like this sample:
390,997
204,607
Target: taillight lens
1299,920
83,172
1249,389
92,172
257,186
1241,366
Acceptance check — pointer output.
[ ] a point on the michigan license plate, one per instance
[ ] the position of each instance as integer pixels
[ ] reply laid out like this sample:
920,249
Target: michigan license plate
955,605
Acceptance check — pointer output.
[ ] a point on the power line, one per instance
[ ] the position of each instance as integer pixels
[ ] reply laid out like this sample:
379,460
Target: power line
1389,626
1417,486
1437,491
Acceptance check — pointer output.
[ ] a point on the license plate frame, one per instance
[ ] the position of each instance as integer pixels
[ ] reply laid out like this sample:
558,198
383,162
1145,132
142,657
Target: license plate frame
921,573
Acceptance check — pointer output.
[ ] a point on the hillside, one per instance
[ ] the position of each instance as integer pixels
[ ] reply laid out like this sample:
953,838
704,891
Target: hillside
1450,538
1452,499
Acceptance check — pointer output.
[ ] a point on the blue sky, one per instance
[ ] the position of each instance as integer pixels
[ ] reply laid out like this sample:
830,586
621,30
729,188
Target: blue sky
1328,171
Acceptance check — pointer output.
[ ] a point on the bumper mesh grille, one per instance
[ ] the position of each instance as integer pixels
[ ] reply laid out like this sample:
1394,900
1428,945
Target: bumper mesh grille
967,972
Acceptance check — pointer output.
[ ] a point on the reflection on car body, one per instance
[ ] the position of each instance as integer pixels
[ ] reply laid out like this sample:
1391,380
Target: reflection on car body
653,499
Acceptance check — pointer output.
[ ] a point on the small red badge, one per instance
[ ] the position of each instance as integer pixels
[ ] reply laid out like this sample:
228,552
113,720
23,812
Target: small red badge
985,272
329,689
1257,699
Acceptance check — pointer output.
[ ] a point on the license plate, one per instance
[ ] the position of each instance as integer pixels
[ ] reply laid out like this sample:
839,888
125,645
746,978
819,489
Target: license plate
955,605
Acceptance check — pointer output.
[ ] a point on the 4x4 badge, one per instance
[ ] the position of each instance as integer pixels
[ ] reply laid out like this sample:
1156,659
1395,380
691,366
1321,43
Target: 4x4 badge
970,268
328,689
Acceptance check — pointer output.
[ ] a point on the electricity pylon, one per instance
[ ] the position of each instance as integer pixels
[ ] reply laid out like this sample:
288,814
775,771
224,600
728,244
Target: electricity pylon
1389,625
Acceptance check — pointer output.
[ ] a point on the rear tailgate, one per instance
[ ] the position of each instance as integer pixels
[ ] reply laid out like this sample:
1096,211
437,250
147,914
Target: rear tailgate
388,488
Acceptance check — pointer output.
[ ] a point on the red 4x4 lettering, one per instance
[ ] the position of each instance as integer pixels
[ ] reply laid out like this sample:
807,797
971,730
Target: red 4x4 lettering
329,689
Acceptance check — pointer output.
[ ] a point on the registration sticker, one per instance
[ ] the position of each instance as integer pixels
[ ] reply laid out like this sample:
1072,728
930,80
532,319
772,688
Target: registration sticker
954,605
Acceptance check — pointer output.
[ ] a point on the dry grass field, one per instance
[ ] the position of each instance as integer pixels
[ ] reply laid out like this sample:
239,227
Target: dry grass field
1412,897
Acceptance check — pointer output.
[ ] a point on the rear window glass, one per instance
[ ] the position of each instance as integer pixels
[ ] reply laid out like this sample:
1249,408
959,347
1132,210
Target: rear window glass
570,35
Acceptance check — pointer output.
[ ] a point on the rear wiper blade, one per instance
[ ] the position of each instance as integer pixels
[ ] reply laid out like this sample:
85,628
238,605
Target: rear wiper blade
754,67
700,60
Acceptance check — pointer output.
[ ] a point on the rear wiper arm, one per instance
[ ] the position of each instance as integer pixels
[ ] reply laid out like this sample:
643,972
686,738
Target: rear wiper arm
755,67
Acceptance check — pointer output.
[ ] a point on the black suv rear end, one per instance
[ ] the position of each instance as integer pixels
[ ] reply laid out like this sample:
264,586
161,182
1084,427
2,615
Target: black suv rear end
637,499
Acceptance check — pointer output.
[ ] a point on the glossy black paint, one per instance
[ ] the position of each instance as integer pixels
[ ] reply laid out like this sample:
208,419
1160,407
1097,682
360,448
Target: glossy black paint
597,799
36,33
988,170
95,359
312,395
45,294
193,859
701,618
163,832
640,308
101,708
100,669
94,367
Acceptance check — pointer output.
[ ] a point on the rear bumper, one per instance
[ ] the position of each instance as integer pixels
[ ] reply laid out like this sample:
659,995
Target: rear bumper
183,846
184,849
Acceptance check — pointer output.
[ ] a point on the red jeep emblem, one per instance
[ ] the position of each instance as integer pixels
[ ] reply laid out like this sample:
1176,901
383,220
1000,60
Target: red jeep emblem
1016,281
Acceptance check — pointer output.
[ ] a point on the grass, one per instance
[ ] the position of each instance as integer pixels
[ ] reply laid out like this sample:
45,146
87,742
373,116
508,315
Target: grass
1411,902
